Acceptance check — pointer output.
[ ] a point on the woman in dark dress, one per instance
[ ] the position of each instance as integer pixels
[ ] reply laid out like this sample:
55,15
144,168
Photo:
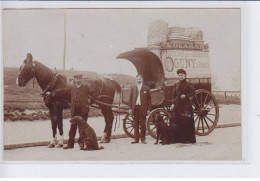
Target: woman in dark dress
183,112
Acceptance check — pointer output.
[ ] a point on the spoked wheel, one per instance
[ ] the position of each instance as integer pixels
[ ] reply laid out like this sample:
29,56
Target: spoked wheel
165,115
128,125
206,112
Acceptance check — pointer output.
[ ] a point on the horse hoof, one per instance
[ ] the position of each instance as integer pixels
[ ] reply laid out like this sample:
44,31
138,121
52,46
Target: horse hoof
101,141
106,141
51,145
59,145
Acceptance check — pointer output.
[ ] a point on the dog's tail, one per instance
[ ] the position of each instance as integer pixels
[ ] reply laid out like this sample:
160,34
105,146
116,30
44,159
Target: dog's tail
101,147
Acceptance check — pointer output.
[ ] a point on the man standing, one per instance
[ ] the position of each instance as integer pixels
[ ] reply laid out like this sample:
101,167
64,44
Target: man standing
79,105
140,105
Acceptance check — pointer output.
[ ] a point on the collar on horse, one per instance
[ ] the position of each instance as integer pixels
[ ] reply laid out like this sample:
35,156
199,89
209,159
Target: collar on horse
51,84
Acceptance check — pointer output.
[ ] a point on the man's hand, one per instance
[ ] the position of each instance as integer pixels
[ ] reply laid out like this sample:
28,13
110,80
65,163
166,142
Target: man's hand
172,107
50,94
130,111
91,101
183,96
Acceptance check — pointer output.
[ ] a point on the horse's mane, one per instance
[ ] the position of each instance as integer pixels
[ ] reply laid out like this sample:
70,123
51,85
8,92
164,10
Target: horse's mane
46,69
44,73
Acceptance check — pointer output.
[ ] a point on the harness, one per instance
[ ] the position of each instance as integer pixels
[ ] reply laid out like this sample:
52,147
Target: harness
103,89
51,84
102,86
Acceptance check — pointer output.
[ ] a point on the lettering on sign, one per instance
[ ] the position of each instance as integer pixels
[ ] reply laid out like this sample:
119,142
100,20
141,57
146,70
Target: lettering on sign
185,63
182,45
196,63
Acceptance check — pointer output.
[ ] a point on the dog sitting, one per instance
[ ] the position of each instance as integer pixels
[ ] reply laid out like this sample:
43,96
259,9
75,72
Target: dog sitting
164,132
87,136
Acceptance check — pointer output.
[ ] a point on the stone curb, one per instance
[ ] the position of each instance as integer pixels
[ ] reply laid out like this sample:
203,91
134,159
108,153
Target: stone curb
45,143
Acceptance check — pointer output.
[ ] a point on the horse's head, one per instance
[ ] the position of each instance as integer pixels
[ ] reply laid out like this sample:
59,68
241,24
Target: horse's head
26,71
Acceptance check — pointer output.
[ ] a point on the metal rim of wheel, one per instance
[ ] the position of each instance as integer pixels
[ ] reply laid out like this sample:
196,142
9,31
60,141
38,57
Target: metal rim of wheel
128,125
206,112
151,122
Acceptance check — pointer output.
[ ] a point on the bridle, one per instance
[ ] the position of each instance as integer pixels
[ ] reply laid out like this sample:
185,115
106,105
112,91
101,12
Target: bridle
31,73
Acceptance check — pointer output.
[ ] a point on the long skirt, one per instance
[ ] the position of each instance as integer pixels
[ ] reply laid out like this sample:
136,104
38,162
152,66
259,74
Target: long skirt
183,128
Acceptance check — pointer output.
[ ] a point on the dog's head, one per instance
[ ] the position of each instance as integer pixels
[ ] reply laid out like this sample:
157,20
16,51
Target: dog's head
77,120
158,119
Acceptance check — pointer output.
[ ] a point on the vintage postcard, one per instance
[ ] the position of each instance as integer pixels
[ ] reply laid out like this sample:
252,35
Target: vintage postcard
126,84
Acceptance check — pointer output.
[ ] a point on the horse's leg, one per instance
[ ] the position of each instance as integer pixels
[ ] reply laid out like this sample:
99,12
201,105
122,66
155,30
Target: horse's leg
102,140
60,126
109,118
54,129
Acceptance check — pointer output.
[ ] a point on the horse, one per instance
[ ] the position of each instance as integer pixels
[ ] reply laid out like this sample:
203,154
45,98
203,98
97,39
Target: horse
50,82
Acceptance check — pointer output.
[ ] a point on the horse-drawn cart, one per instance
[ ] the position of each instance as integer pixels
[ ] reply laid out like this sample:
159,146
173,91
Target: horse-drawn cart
158,64
168,49
205,106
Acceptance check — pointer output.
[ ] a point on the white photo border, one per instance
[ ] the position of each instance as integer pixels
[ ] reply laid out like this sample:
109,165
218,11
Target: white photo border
153,168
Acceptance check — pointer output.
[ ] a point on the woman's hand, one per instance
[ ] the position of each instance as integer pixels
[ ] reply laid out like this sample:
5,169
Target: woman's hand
183,96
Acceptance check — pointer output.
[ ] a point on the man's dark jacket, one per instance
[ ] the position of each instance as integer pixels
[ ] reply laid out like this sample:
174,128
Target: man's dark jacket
146,103
81,94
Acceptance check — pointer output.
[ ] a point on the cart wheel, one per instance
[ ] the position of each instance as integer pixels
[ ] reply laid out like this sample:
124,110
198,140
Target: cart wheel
128,125
151,120
206,112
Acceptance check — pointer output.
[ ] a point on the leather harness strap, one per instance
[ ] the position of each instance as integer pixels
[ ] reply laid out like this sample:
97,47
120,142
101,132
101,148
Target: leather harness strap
53,81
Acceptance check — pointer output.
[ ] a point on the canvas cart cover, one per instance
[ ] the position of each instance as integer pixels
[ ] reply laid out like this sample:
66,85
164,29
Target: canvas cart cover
147,64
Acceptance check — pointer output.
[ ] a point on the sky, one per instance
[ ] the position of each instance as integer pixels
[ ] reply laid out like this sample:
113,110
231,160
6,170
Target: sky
95,37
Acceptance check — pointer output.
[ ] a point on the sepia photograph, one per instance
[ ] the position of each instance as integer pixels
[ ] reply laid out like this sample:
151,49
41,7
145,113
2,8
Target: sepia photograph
122,84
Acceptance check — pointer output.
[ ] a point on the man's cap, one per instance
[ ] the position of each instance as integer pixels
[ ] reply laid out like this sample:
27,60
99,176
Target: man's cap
179,71
79,76
139,75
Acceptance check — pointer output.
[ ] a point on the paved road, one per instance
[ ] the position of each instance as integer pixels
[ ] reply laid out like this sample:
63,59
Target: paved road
37,131
221,144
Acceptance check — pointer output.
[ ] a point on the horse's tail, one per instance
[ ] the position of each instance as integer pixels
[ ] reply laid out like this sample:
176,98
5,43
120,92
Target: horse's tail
117,86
